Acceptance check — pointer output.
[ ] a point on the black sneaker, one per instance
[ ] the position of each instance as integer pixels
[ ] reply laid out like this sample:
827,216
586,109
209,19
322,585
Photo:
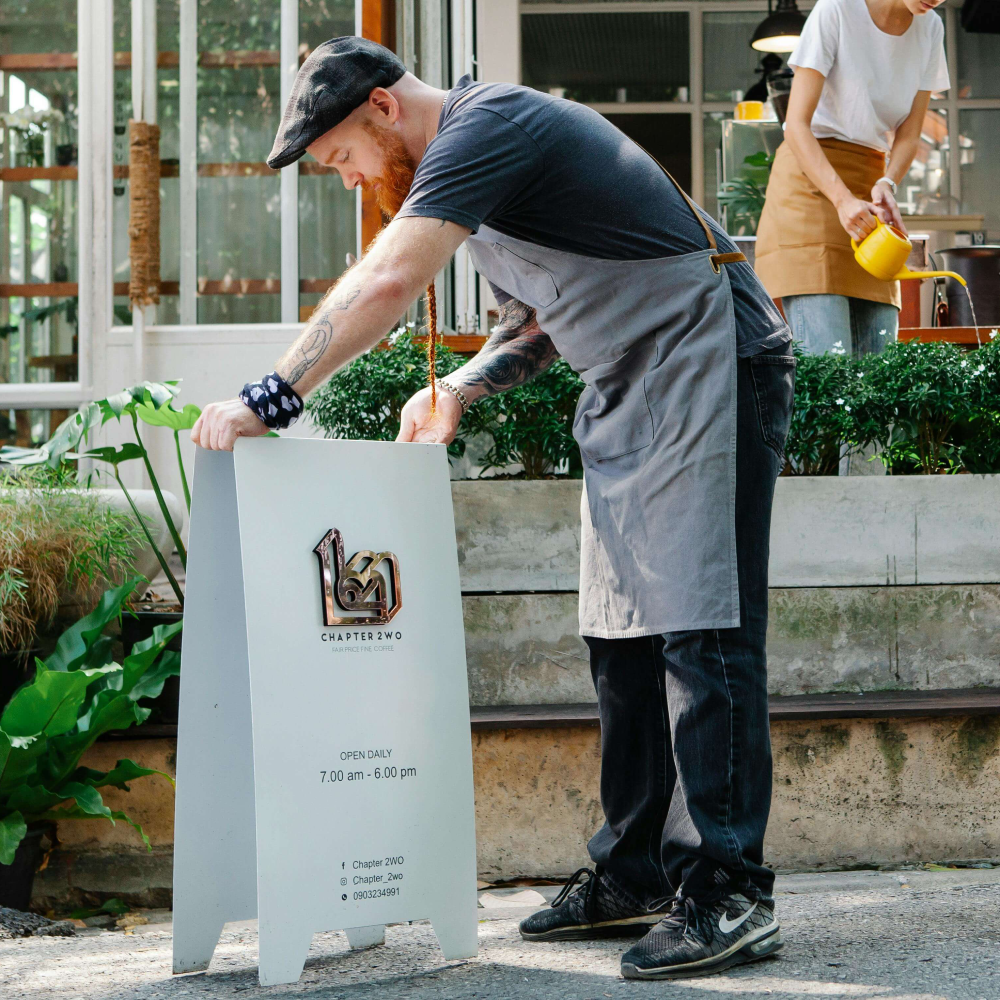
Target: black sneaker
590,905
709,928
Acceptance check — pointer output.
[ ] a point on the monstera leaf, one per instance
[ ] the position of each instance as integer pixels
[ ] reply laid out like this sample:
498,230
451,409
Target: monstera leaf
155,394
167,416
77,694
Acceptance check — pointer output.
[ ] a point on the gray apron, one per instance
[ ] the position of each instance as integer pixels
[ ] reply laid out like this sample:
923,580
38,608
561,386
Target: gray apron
655,343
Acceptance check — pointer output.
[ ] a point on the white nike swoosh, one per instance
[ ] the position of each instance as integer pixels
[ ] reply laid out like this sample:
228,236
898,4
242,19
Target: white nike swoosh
726,925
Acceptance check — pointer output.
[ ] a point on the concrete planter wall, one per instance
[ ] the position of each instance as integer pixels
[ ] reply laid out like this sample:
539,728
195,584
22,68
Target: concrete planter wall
876,583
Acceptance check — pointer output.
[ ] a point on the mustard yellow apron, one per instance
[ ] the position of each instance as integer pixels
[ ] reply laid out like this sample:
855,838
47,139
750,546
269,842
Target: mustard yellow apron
802,249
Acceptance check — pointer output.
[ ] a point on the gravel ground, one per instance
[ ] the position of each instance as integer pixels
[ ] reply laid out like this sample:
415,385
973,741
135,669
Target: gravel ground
899,935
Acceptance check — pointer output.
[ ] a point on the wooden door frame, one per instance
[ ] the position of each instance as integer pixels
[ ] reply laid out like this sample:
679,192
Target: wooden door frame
378,23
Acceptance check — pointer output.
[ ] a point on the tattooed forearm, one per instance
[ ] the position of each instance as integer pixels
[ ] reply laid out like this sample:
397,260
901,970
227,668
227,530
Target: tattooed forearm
311,346
516,352
314,343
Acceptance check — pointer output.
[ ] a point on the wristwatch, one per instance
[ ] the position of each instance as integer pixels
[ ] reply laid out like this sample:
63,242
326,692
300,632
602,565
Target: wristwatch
889,181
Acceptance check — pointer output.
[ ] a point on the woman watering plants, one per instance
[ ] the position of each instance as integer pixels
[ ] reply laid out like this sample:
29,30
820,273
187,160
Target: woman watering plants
864,72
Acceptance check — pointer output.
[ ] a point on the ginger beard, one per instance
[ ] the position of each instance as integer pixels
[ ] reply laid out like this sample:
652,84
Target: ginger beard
391,188
393,185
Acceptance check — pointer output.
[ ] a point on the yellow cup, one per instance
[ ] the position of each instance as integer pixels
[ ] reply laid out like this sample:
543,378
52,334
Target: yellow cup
747,111
883,253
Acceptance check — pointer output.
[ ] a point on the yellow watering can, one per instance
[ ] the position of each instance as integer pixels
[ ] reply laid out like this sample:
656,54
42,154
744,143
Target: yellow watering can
883,253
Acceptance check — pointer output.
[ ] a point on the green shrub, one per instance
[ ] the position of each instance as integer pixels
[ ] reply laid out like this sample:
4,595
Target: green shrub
820,421
533,424
929,408
363,401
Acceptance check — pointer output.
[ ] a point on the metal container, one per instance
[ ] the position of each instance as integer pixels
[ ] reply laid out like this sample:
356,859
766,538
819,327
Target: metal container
980,266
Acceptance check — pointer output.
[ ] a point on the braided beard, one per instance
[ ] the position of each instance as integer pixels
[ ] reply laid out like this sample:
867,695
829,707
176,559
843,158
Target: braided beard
393,185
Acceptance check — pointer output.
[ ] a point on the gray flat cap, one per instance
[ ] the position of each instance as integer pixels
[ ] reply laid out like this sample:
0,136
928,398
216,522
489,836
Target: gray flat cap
337,77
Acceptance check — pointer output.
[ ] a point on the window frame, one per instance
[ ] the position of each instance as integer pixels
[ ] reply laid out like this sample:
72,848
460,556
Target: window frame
697,107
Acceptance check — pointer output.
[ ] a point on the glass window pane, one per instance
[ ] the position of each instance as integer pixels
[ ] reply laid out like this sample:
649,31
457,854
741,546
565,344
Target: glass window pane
327,224
925,189
38,191
730,63
979,143
321,20
607,57
712,144
978,58
29,428
239,202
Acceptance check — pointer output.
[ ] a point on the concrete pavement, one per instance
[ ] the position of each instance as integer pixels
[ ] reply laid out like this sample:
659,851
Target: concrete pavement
900,935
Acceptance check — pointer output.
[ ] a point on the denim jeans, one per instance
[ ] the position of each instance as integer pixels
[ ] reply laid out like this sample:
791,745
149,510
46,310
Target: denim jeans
824,323
685,739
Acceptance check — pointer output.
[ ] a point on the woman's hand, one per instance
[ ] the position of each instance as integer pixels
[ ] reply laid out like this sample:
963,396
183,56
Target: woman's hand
885,204
856,216
418,425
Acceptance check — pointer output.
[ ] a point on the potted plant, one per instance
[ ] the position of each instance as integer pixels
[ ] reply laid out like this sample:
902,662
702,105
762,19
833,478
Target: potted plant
58,545
148,403
744,195
77,694
29,125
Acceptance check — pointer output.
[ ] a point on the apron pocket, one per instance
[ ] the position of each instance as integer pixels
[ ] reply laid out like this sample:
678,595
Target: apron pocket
774,391
613,417
524,279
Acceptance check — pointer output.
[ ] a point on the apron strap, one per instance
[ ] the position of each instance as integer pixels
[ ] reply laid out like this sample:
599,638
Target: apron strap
717,259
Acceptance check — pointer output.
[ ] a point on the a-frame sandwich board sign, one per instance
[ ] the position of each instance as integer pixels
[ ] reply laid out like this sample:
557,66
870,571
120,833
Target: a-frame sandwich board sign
324,766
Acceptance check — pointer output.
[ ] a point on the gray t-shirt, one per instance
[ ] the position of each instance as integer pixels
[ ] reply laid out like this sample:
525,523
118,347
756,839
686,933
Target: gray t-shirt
558,174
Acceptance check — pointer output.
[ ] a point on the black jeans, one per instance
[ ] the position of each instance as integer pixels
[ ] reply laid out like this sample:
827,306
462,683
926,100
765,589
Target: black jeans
685,741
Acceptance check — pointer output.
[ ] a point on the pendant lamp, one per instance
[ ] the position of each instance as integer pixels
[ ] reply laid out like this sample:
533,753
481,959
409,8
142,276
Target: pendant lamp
780,30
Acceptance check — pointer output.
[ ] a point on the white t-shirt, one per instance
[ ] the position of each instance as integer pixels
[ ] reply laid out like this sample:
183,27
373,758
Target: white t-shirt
871,77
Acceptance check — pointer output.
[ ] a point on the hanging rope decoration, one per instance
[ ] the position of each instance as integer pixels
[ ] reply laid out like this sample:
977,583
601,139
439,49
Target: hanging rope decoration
432,334
144,213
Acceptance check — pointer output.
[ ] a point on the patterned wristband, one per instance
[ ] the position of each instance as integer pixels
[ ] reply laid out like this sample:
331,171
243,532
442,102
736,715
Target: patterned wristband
274,401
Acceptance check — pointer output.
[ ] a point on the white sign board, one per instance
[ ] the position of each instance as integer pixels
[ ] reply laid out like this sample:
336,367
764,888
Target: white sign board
324,761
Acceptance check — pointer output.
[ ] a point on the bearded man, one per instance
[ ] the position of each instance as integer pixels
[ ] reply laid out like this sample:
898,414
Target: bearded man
596,255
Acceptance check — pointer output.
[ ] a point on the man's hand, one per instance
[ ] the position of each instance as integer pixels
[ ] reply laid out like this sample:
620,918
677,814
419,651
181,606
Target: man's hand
418,425
220,424
885,204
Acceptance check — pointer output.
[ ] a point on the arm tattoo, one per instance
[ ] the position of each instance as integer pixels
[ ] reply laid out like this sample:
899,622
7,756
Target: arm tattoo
316,340
516,352
311,350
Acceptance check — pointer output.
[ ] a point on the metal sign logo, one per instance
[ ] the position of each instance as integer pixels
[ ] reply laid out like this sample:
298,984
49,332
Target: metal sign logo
356,584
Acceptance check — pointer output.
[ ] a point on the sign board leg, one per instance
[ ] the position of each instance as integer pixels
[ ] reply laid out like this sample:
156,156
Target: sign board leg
457,932
215,850
365,937
284,944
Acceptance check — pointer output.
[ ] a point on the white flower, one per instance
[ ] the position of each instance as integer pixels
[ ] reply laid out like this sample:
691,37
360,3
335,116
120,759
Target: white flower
847,408
881,333
839,343
993,333
980,369
839,402
964,363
